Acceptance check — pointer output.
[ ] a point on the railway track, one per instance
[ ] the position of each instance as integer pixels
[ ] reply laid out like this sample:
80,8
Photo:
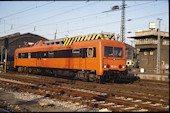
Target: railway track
67,90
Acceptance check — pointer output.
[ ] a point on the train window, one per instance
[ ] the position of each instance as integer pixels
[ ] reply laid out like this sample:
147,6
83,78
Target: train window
50,54
118,52
33,55
24,55
38,55
17,56
62,54
44,55
76,51
90,52
108,51
29,55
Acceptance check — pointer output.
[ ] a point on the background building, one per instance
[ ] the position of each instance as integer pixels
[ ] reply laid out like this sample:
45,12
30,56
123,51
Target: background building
13,41
131,57
146,45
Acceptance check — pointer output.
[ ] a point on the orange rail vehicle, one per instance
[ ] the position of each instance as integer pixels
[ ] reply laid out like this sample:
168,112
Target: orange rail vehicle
94,60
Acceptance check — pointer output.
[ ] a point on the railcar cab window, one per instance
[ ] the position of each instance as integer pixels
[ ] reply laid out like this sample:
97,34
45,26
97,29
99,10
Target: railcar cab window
118,52
113,52
108,51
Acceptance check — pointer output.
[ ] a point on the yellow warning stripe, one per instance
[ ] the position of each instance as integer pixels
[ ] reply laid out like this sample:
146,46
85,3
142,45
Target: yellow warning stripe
79,37
75,39
105,36
112,37
89,38
85,38
93,36
82,38
65,41
98,36
70,41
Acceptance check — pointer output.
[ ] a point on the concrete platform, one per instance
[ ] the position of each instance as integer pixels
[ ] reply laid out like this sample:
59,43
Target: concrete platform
152,76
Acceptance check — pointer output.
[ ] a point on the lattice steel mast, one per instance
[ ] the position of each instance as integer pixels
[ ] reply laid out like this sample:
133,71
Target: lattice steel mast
122,29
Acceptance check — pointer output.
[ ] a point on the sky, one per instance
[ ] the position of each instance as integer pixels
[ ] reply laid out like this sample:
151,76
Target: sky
74,18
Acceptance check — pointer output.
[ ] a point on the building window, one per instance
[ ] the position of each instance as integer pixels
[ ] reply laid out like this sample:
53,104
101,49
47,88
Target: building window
138,50
165,42
151,52
145,53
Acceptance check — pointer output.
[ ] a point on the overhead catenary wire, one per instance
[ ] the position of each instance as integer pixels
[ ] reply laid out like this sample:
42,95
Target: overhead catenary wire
99,13
46,18
37,26
112,22
93,14
23,11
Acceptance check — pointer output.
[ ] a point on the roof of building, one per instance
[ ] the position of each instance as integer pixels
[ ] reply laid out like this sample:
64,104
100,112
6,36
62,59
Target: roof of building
147,33
15,36
19,35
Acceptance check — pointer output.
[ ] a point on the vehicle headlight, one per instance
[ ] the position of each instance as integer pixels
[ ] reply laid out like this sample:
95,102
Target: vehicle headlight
123,66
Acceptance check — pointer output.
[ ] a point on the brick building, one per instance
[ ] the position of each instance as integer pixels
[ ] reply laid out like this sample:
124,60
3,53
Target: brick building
13,41
146,45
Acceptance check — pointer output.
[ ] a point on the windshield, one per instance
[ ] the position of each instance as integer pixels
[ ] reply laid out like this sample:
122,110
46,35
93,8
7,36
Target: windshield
113,52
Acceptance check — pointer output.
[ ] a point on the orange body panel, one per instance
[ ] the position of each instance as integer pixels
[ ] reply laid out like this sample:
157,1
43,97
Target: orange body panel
93,63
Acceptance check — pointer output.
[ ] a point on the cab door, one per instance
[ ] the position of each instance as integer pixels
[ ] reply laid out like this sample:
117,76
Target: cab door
39,57
82,59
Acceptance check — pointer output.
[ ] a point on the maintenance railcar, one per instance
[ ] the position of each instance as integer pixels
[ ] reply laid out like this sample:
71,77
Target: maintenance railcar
94,60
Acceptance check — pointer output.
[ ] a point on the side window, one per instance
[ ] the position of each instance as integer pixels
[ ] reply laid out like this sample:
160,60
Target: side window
145,53
151,52
38,55
24,55
33,55
17,55
62,54
50,54
44,54
29,55
76,53
90,52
